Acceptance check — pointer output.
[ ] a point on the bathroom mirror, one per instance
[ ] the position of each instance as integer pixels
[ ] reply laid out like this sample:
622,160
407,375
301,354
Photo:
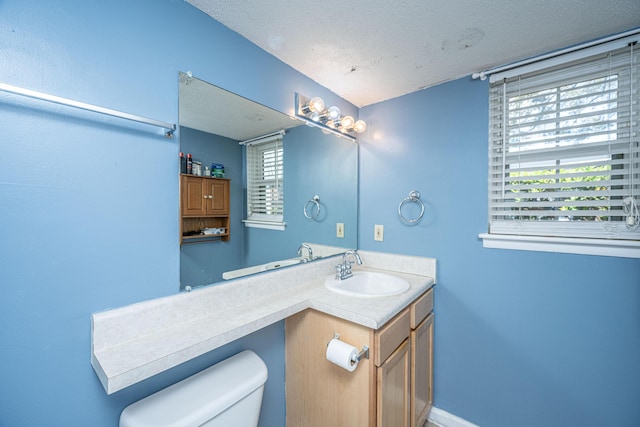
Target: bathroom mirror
213,122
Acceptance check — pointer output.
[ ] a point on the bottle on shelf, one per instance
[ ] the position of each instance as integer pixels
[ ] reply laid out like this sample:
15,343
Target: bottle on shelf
189,164
183,163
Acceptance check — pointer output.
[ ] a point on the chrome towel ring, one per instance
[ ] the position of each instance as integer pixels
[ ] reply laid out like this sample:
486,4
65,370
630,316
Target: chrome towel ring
311,204
414,197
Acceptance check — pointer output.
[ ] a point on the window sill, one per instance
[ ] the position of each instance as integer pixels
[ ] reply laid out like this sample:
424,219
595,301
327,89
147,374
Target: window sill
279,226
603,247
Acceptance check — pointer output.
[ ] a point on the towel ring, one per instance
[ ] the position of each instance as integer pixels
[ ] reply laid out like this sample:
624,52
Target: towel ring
414,197
314,202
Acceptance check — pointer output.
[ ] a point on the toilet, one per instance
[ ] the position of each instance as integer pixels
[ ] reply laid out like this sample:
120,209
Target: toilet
227,394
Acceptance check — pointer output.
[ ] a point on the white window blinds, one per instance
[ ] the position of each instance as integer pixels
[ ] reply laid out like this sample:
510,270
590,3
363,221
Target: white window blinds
265,183
563,149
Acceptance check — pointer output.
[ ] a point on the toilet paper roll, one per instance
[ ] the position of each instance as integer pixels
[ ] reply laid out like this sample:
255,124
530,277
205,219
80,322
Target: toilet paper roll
342,354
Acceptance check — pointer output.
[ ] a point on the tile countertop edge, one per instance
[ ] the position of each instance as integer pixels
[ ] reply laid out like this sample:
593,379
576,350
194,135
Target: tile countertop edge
305,280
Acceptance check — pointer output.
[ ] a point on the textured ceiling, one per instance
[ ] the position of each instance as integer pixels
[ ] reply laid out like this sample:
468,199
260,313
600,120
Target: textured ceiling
368,51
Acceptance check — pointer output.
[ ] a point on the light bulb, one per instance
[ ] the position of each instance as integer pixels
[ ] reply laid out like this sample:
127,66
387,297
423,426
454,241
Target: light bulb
360,126
316,104
315,116
333,112
347,122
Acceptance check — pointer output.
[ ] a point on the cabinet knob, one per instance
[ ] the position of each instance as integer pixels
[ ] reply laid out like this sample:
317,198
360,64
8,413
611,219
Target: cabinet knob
210,196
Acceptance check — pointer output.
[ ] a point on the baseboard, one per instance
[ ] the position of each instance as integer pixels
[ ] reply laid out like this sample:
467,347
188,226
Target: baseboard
445,419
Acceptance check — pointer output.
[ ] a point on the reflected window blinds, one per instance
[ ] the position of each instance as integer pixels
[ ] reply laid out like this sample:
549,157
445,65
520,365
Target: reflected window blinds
265,183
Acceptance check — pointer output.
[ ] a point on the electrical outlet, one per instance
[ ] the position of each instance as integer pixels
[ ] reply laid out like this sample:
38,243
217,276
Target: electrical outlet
340,229
378,233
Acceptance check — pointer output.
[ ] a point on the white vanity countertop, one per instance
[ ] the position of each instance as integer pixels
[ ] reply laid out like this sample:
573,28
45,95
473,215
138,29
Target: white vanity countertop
135,342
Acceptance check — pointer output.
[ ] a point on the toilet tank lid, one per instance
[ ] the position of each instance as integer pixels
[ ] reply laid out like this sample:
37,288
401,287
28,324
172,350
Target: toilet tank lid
201,396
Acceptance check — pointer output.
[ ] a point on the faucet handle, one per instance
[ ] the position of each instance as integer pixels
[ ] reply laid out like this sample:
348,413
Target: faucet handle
347,267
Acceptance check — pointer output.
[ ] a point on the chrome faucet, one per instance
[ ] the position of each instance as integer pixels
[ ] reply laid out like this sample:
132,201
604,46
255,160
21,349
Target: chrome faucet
309,250
343,271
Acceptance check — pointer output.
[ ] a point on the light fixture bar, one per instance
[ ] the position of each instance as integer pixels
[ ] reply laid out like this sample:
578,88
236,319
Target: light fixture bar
307,110
326,128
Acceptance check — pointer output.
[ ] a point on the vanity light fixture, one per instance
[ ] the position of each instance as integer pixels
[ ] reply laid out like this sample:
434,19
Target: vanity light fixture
315,105
333,113
360,126
314,113
347,123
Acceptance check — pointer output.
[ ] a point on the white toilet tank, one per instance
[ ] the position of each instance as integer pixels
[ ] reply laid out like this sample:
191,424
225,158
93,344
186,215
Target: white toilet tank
228,394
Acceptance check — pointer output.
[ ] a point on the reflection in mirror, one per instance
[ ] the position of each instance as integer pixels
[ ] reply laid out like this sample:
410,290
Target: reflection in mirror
213,122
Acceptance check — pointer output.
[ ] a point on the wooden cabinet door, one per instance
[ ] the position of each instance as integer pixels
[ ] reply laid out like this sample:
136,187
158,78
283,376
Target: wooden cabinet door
217,192
193,196
421,371
394,388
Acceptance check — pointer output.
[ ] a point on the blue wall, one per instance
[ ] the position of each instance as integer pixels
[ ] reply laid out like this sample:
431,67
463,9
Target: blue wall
203,263
314,163
89,221
322,164
89,204
522,338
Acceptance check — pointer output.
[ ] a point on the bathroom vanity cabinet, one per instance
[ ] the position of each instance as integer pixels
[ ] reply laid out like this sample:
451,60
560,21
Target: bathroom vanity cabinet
204,203
393,388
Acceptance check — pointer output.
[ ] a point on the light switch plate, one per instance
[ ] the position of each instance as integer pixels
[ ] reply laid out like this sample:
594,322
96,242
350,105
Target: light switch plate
340,229
378,233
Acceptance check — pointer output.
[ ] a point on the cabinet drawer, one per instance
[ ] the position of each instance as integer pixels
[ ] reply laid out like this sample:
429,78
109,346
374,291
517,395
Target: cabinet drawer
421,308
391,336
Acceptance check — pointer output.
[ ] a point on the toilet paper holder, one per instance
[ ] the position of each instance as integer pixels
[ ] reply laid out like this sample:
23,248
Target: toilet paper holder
363,353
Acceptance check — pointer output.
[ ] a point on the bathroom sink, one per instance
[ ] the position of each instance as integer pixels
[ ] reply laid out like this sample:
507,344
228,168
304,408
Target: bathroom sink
368,284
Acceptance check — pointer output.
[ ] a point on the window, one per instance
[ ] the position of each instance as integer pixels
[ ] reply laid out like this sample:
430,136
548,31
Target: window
265,183
564,153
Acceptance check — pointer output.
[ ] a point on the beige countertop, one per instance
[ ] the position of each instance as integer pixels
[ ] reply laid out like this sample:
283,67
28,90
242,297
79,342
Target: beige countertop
135,342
